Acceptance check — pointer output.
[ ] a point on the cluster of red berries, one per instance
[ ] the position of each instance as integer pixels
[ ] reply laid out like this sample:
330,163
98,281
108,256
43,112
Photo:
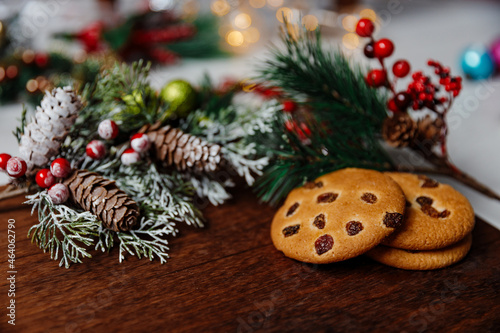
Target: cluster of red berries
45,178
14,166
421,92
108,130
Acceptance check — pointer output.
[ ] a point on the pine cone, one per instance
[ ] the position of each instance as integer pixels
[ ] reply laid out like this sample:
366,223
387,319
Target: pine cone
100,196
399,130
429,130
184,151
45,133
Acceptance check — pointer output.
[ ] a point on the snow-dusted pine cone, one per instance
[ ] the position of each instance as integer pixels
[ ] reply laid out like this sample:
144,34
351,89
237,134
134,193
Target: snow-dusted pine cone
45,133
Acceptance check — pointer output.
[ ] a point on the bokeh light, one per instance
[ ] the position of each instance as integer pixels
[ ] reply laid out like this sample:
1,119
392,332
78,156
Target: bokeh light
284,12
369,14
275,3
257,3
2,73
310,22
350,41
220,7
349,23
242,21
11,71
235,38
31,85
252,35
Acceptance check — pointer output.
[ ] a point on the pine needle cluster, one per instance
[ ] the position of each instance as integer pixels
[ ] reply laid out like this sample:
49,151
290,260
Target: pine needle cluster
343,114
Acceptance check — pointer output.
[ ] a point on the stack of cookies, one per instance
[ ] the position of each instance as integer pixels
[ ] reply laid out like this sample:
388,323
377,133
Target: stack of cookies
401,220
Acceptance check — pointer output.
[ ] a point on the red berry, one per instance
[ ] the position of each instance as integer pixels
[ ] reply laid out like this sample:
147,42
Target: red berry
391,105
402,100
139,142
96,150
60,168
401,68
365,28
4,158
368,50
383,48
130,156
41,59
289,125
376,78
289,106
59,193
16,167
108,129
44,178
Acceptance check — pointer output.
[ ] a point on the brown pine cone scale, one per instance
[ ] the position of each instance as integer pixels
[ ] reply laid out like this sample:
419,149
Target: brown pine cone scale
184,151
100,196
399,130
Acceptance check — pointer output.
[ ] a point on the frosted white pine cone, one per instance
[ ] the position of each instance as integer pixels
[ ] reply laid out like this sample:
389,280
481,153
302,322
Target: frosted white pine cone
49,127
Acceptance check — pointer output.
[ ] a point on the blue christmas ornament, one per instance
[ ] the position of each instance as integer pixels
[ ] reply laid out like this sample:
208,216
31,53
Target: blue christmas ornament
477,62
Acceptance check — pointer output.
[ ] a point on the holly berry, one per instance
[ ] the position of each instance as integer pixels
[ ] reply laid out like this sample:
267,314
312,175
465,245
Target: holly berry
369,51
402,100
41,59
365,28
376,78
383,48
4,158
289,106
44,178
130,156
391,105
60,168
108,129
16,167
59,193
95,150
401,68
139,142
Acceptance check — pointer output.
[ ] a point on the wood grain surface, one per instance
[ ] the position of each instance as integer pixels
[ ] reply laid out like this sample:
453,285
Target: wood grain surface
228,277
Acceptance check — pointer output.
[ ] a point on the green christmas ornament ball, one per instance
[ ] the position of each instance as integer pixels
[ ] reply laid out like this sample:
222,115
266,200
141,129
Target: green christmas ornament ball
181,97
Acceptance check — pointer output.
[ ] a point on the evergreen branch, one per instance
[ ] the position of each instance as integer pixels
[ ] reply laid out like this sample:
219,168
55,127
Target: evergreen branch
343,117
62,230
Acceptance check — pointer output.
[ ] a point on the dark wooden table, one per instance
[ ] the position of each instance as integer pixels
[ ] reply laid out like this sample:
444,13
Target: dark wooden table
228,277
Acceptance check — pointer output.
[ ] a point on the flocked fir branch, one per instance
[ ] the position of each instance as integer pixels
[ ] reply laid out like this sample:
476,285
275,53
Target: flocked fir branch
165,195
61,230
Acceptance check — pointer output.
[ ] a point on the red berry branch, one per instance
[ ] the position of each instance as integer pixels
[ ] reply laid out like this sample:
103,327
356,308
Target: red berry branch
427,131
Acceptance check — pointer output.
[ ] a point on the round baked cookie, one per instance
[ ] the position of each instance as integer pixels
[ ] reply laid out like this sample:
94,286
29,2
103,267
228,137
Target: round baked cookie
436,215
421,260
338,216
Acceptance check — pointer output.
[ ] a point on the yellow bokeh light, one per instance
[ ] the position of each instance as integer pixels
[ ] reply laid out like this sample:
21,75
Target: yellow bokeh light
235,38
369,14
257,3
310,22
284,12
220,7
242,21
32,85
350,41
1,26
252,35
349,23
275,3
190,9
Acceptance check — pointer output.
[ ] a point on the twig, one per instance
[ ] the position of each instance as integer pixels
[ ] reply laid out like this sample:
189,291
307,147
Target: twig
455,174
12,191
